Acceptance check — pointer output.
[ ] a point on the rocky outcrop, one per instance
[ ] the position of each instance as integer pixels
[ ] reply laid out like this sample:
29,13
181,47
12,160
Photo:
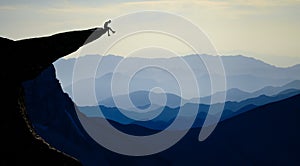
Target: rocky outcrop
24,60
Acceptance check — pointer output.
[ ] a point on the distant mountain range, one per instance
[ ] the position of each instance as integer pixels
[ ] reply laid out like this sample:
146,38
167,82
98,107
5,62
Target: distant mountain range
141,98
236,94
169,113
173,103
265,135
242,73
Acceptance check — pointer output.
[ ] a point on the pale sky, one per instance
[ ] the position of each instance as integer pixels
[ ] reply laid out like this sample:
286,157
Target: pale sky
268,30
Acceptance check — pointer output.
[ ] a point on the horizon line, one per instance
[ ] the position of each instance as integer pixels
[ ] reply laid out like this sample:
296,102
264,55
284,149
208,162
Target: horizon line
186,55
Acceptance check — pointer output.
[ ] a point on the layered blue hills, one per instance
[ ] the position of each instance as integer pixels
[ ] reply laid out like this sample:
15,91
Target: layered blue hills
231,108
258,130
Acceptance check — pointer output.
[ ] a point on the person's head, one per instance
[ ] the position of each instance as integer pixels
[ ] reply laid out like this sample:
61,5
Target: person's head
109,21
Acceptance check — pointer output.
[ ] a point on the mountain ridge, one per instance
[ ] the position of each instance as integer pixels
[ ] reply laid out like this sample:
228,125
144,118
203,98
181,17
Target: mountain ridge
244,73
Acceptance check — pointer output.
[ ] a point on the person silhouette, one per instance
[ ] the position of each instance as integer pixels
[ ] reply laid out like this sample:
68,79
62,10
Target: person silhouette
107,28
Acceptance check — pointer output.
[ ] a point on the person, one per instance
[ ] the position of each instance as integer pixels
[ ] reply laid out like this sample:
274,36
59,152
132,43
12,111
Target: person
107,28
23,60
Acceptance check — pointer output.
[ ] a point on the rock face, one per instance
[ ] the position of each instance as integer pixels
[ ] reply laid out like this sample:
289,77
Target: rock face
53,116
24,60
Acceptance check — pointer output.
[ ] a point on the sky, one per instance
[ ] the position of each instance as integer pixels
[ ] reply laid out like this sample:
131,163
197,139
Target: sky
268,30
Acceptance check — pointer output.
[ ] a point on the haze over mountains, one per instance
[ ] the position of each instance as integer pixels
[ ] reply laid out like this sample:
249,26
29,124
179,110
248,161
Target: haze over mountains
141,98
250,84
265,135
245,77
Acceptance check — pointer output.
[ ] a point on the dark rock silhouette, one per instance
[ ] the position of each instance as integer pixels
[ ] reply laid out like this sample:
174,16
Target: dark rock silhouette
24,60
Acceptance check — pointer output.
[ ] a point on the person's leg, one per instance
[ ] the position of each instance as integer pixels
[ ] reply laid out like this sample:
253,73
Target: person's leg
107,30
111,30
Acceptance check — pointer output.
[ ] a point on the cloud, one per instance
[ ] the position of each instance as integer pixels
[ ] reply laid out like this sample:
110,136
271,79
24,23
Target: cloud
8,8
265,3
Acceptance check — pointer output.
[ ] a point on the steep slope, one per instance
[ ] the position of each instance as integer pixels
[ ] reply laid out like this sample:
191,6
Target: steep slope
54,118
266,135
